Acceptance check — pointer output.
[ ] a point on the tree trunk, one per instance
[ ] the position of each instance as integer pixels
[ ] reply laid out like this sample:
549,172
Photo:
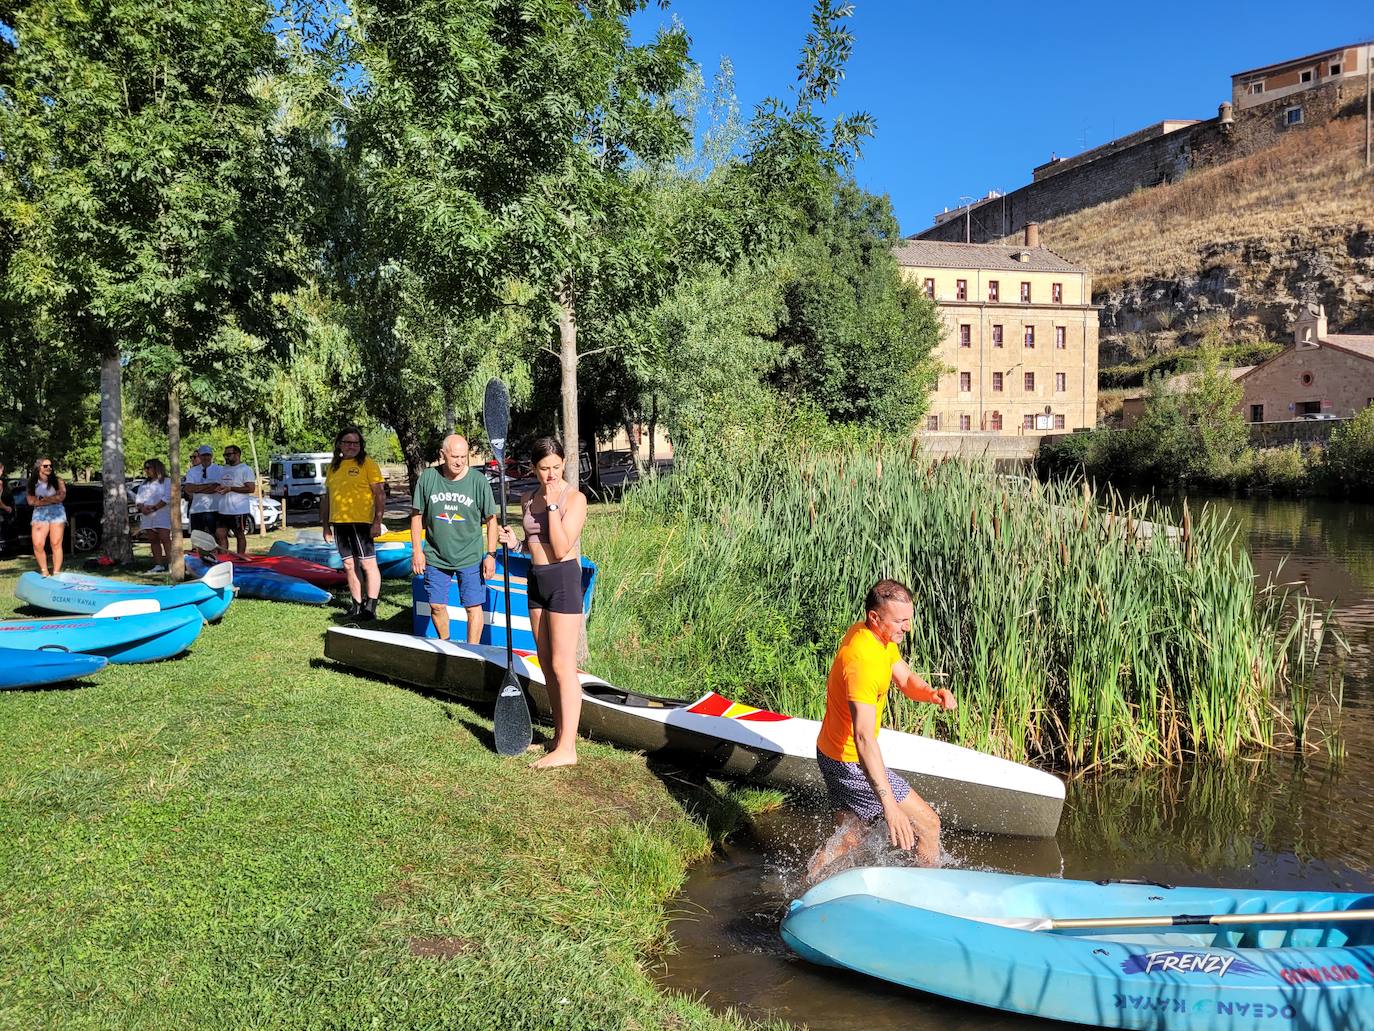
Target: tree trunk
114,523
412,447
567,360
653,429
177,565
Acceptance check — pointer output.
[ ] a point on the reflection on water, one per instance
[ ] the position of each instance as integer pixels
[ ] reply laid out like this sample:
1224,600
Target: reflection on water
1281,823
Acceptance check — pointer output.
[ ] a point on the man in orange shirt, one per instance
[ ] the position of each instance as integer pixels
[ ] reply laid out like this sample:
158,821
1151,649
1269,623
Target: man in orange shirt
860,786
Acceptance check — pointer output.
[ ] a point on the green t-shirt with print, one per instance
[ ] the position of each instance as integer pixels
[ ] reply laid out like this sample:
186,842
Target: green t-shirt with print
453,513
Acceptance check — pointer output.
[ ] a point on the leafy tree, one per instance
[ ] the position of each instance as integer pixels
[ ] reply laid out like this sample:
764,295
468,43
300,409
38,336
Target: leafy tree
143,179
1194,431
856,340
1348,460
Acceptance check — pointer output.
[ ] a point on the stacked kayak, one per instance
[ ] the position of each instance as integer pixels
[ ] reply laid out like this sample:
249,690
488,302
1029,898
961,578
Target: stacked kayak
971,791
1278,959
255,581
32,669
147,636
393,559
86,595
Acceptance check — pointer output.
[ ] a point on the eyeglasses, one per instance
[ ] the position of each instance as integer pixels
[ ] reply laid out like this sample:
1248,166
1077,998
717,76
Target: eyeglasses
46,465
350,443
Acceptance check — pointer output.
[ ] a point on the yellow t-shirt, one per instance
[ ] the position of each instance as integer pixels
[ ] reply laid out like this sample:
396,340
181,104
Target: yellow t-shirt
861,672
350,490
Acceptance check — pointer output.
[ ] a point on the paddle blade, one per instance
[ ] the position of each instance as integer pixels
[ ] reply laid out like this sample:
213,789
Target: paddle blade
219,576
511,722
496,417
203,541
132,607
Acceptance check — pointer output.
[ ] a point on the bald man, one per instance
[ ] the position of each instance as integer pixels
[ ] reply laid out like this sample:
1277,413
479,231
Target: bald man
451,506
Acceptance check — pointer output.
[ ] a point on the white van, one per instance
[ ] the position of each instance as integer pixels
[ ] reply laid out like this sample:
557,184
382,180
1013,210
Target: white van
299,478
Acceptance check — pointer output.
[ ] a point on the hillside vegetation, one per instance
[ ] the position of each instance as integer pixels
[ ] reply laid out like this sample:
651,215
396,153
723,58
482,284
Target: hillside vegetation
1307,188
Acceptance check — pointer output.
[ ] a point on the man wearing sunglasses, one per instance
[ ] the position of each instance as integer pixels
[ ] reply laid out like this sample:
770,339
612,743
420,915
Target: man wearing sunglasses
236,483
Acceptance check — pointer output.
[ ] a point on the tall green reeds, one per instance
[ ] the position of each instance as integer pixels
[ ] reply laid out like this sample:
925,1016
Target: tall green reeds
1075,630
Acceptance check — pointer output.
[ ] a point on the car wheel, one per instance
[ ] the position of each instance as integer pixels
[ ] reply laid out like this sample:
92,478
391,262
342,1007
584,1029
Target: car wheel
306,501
85,538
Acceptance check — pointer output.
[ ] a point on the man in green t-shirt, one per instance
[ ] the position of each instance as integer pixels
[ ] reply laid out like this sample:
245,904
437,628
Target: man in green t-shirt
451,505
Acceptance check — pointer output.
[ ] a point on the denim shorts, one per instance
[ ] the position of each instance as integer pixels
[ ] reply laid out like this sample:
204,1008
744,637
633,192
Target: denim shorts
49,514
472,589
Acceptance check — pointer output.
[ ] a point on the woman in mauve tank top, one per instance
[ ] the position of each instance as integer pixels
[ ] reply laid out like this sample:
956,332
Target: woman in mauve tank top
552,516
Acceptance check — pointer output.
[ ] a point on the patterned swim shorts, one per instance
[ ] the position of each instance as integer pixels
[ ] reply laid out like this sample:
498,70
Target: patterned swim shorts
850,791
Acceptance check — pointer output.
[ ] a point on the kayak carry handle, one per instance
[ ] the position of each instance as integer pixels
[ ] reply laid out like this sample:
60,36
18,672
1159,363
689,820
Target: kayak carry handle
1133,880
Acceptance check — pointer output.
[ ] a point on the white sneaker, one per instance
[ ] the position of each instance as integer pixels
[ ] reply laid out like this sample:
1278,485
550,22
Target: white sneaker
158,569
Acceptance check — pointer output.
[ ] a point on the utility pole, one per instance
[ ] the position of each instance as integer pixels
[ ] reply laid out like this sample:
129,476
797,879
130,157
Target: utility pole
968,208
1368,88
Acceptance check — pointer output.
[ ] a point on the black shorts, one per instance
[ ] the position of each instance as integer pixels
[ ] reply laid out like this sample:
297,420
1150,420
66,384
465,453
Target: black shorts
557,586
354,540
231,522
206,522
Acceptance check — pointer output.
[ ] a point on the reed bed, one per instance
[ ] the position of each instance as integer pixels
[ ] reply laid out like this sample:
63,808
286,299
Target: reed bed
1076,630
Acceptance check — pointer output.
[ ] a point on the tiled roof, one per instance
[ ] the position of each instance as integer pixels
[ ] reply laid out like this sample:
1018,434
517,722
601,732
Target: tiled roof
1361,344
935,254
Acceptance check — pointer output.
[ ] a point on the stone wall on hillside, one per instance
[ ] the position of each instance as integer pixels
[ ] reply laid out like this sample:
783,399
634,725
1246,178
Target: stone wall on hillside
1148,161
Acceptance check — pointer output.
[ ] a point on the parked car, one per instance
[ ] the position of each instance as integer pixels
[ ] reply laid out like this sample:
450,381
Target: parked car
271,506
1319,416
85,504
299,477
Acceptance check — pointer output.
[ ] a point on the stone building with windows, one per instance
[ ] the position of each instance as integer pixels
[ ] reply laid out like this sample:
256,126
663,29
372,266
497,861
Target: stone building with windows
1020,343
1323,375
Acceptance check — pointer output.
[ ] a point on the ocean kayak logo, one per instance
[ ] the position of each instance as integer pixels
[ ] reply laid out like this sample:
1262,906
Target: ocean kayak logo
1217,964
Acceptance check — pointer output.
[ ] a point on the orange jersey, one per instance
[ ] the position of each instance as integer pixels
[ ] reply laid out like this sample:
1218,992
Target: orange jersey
861,672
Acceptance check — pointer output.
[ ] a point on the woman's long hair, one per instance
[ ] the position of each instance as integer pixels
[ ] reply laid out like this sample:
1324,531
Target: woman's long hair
159,470
338,448
54,482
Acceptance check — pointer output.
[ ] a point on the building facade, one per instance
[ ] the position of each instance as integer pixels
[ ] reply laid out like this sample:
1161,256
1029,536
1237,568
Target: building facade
1321,374
1020,344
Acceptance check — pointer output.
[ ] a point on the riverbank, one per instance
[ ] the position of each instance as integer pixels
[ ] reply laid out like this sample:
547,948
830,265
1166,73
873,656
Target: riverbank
248,835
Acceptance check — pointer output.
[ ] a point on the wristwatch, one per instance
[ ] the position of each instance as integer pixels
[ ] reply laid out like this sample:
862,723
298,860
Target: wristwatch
553,507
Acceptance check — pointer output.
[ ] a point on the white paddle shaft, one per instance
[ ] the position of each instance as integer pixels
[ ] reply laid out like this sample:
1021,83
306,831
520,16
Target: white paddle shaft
1036,923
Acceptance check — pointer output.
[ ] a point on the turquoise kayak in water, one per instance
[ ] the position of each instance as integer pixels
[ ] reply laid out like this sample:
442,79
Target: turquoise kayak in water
992,939
33,669
146,636
255,582
80,594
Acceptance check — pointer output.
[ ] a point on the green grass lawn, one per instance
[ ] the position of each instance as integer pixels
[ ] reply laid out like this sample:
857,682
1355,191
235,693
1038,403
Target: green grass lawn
247,836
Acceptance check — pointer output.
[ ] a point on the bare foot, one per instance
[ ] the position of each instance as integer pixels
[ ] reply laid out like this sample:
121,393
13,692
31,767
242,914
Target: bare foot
555,759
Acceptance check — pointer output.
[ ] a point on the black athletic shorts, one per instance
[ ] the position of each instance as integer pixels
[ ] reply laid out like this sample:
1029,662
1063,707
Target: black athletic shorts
557,586
233,522
205,521
354,540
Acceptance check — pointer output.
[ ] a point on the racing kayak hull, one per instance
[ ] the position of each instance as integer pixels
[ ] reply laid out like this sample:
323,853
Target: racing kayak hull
971,791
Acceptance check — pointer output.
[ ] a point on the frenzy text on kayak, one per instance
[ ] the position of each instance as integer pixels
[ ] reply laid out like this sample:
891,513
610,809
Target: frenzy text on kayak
1180,962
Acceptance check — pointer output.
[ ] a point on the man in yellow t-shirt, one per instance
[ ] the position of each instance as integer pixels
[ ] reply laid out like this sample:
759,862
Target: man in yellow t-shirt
860,786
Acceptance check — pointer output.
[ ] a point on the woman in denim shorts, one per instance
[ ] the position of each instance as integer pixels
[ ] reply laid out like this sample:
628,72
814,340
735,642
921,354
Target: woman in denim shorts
49,521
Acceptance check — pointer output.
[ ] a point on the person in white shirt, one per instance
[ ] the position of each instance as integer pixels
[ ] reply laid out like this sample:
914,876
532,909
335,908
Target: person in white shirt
155,517
202,485
237,483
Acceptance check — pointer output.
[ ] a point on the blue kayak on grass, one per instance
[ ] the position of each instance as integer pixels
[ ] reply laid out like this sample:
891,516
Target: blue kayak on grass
145,636
32,669
393,558
982,938
81,594
253,582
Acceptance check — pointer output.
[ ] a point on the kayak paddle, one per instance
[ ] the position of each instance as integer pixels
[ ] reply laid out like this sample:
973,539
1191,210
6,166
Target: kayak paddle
1036,923
511,721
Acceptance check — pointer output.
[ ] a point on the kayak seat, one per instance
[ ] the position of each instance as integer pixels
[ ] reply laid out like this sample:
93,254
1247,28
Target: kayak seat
620,696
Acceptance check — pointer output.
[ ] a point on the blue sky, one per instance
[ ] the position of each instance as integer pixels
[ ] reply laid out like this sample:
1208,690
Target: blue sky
970,96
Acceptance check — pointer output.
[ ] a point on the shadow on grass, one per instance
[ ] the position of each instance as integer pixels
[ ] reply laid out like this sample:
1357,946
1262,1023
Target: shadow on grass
707,801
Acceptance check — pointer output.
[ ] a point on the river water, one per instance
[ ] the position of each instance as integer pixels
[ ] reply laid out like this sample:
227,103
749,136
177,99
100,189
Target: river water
1281,823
